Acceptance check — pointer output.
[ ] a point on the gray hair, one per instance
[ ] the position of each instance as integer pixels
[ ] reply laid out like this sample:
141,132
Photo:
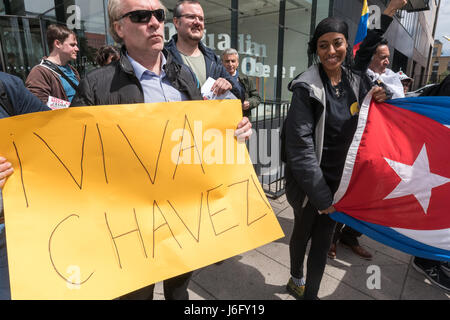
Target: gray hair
114,14
230,51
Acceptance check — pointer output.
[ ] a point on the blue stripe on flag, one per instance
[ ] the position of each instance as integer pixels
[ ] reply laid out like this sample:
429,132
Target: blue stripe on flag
436,108
392,238
362,29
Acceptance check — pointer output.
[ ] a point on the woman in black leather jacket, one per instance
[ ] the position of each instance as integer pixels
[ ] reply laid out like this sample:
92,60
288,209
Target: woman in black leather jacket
318,132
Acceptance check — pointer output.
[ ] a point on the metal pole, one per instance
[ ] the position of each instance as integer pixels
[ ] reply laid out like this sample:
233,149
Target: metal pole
60,11
280,50
234,23
43,30
331,8
2,59
312,27
108,38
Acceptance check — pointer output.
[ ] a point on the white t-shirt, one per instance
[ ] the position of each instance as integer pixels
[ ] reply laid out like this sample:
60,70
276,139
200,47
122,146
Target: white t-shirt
391,80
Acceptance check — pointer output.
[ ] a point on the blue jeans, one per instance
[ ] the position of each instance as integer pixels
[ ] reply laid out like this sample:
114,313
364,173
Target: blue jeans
5,292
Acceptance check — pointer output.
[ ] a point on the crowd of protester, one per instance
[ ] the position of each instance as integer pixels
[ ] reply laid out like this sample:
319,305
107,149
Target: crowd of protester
317,133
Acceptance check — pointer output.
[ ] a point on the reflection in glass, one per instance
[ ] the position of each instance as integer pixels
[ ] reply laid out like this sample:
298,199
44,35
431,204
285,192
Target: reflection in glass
22,41
21,44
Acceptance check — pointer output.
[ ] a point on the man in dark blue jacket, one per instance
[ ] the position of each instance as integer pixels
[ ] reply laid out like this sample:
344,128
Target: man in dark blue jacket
15,99
13,91
187,48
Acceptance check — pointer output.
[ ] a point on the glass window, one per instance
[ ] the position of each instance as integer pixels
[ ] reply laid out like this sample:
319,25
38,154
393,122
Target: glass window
296,38
322,10
21,44
418,35
258,54
409,21
217,34
85,17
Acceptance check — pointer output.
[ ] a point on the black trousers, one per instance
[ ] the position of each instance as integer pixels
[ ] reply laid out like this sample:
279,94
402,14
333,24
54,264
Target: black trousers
174,289
346,235
309,224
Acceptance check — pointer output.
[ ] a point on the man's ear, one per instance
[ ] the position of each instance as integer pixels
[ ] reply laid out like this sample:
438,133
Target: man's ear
175,22
118,28
57,44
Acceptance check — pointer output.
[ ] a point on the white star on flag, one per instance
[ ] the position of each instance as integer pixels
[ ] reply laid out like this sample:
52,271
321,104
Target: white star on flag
416,179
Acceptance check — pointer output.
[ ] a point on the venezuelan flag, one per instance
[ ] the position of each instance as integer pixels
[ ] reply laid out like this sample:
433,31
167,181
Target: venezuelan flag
362,27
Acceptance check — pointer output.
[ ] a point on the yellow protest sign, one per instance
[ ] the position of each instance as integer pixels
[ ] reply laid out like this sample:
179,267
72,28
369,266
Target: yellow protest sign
106,200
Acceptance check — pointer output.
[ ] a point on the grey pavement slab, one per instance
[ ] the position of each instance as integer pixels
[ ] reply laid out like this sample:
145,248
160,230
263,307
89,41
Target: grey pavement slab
417,287
333,289
250,276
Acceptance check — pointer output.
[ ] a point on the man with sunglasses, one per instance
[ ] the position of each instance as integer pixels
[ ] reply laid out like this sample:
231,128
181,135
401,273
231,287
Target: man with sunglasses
187,48
147,73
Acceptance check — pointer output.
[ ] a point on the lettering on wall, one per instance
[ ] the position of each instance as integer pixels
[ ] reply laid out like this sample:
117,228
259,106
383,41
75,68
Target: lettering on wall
251,52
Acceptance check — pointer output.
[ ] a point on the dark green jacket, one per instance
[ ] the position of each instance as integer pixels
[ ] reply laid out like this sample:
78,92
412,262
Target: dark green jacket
251,94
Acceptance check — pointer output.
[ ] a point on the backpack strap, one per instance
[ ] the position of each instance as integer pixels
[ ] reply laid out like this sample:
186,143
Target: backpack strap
5,103
55,68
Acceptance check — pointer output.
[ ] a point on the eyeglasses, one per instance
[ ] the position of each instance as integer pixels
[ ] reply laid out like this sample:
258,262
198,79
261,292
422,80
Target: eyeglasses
192,17
144,16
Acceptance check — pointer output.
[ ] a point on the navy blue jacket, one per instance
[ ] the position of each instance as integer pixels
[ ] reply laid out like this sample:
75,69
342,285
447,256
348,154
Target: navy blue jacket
22,100
214,67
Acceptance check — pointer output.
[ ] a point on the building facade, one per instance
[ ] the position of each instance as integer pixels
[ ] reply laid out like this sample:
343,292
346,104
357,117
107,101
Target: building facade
440,63
256,28
410,37
266,33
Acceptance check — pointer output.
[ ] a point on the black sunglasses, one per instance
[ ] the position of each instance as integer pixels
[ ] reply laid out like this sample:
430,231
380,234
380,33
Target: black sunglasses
144,16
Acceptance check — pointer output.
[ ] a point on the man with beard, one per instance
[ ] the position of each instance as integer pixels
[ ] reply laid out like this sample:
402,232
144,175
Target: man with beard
187,49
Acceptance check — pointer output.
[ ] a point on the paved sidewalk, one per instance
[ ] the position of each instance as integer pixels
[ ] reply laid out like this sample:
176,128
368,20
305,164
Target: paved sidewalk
263,273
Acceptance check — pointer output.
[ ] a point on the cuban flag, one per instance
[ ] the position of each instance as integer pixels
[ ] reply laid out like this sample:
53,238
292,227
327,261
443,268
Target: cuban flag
362,27
395,186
